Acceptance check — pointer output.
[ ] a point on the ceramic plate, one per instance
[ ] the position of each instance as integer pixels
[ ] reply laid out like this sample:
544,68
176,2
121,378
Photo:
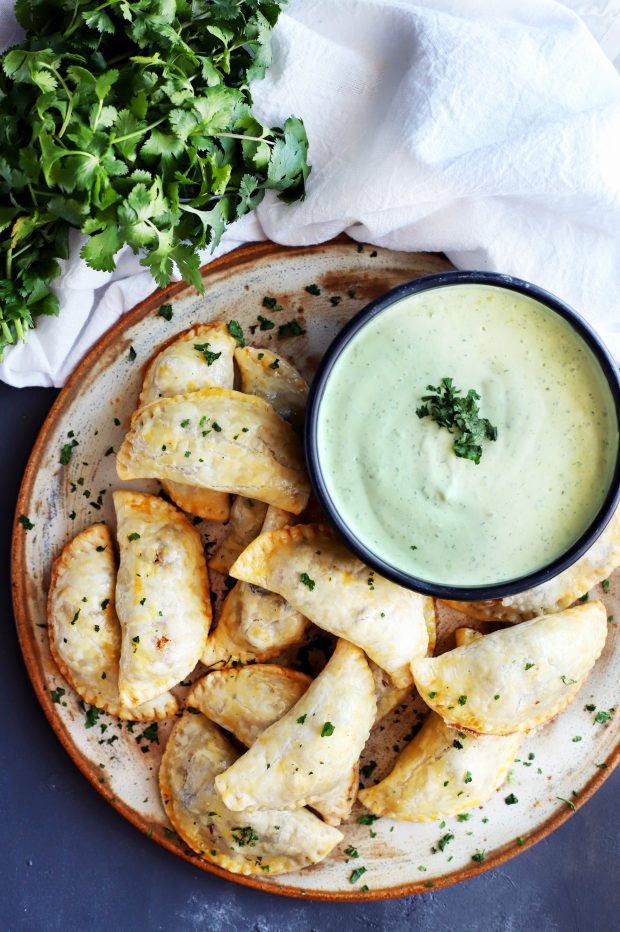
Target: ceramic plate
118,759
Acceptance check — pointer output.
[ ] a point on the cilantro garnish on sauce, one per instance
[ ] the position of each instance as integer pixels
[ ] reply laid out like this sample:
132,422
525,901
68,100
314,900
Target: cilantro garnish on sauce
459,415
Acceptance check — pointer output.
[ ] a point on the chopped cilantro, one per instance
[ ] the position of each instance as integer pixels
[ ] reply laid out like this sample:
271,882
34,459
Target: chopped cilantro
368,769
57,694
235,330
327,730
335,300
76,616
25,522
458,414
478,857
462,700
367,819
313,289
444,840
357,873
132,354
206,353
244,835
606,585
302,719
92,717
265,323
468,777
133,536
568,803
105,604
305,579
511,800
602,717
352,852
67,452
290,329
271,304
464,816
528,666
275,364
166,312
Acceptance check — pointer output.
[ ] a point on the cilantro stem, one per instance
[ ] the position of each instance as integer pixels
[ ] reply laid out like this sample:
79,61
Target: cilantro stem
241,136
139,132
73,25
61,81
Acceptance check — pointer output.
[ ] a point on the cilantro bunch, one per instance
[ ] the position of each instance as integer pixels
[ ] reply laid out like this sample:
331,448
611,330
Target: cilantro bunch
132,122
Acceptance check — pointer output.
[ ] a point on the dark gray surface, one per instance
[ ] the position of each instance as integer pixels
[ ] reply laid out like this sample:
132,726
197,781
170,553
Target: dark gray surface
70,862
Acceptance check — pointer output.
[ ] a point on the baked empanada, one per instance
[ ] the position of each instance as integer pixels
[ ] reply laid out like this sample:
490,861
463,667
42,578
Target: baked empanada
255,624
302,757
442,772
162,596
246,520
559,593
247,700
515,679
198,358
219,439
84,632
270,842
387,695
273,378
309,567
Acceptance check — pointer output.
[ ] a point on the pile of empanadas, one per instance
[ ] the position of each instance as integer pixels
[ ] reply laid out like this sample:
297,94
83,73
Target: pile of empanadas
263,763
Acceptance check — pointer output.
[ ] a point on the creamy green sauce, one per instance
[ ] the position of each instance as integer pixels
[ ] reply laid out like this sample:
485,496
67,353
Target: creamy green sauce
395,478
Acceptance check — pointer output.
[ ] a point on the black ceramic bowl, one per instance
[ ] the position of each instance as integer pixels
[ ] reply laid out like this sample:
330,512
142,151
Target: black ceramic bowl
442,280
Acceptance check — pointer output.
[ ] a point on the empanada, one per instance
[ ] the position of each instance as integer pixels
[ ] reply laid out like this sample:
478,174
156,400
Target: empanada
84,632
273,378
198,358
269,842
309,567
255,624
561,591
220,439
387,695
517,678
162,596
246,520
247,700
442,772
303,756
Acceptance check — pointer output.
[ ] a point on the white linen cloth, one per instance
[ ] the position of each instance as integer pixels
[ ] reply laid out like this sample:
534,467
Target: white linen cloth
487,129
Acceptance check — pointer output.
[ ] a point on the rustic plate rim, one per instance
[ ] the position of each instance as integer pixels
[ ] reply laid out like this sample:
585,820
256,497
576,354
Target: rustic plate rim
243,255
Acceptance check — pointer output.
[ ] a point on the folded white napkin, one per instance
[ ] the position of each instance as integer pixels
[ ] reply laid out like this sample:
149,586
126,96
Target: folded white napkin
487,130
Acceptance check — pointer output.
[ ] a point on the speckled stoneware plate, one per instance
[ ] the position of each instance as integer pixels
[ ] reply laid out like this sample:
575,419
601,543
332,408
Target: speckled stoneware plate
568,758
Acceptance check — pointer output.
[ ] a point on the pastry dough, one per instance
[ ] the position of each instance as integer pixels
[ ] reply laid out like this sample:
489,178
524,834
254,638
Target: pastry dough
303,756
559,593
273,378
179,367
84,632
442,772
517,678
247,700
263,843
309,567
230,442
246,520
162,596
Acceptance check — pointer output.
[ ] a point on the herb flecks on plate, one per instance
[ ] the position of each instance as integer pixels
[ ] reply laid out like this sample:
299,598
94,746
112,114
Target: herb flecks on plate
459,414
132,123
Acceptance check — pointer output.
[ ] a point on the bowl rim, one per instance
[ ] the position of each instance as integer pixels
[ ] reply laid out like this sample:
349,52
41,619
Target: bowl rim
317,389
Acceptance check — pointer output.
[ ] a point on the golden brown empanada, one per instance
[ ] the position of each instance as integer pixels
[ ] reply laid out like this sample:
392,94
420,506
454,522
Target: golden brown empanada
556,594
255,624
265,843
219,439
517,678
273,378
309,567
302,757
442,772
162,596
246,520
247,700
201,357
84,632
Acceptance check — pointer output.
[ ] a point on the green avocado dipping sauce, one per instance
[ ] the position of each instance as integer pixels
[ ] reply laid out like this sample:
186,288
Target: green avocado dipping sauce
545,463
